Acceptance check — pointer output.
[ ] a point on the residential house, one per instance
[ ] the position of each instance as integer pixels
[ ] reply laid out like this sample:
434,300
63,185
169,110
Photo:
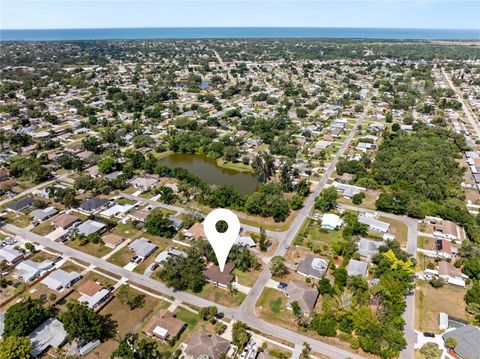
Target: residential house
313,266
202,345
196,231
374,224
93,294
29,270
112,240
116,209
89,227
144,183
367,248
331,221
445,249
451,274
355,268
60,279
142,247
306,296
93,204
10,255
165,326
140,216
468,341
175,222
245,241
449,230
21,204
43,214
218,278
347,190
65,221
164,255
50,334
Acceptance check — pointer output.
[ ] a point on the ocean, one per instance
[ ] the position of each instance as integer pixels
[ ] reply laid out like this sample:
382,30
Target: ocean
238,32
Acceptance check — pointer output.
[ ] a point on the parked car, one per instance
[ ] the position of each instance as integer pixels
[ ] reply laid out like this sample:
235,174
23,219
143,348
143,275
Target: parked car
428,335
282,285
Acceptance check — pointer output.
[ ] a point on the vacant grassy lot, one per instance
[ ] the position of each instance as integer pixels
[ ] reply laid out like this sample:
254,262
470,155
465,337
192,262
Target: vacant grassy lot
272,306
43,228
429,302
97,250
116,310
399,229
127,230
18,219
221,296
247,278
426,243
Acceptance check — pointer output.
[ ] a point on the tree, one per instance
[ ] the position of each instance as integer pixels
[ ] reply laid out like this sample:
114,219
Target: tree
286,176
431,351
324,324
327,200
263,241
13,347
357,199
306,350
297,311
278,267
158,224
341,277
264,166
81,322
166,195
296,202
240,336
130,298
324,287
92,144
208,313
451,343
473,294
184,273
24,317
106,165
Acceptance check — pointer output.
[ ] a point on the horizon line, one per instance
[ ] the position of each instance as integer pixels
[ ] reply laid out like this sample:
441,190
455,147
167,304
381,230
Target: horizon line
239,27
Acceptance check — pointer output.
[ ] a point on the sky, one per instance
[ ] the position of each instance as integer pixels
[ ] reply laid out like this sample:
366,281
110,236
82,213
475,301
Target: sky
62,14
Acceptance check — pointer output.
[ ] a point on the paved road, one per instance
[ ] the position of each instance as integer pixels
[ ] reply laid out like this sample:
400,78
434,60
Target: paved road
409,314
465,107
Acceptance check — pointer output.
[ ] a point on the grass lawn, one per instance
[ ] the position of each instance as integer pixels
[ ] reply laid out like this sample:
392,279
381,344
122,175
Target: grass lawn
399,229
272,306
426,243
247,278
43,228
318,240
97,250
235,166
221,296
429,302
124,200
127,230
122,257
18,219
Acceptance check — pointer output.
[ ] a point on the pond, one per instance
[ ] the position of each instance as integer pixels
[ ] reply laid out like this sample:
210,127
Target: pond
207,169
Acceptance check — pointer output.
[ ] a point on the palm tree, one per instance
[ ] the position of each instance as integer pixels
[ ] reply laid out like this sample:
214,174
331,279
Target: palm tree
232,290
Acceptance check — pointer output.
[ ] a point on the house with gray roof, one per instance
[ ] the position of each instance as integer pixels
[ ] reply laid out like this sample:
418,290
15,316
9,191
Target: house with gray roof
43,214
468,341
60,279
21,204
89,227
50,334
10,255
142,247
175,222
306,296
29,270
367,248
313,266
374,224
355,268
204,345
93,204
347,191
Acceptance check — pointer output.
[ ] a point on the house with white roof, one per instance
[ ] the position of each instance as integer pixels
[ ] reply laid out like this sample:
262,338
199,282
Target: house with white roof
374,224
331,221
50,334
10,255
29,270
60,279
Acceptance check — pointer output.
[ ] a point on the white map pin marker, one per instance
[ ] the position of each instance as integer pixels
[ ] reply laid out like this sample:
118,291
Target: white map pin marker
221,242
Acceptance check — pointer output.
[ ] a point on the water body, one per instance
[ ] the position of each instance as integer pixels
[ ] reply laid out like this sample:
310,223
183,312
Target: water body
239,32
208,170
